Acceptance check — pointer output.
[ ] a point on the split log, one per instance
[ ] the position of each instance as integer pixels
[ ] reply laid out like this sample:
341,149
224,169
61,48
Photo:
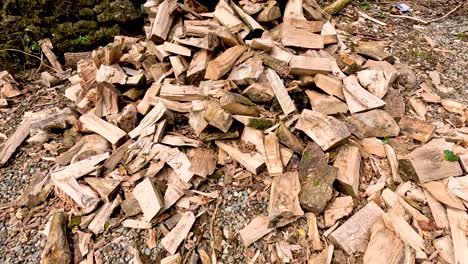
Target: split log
57,249
460,242
179,141
293,10
393,161
111,74
174,259
339,208
246,72
266,44
284,206
46,47
305,65
149,198
116,156
179,65
419,107
280,91
439,191
272,155
310,26
329,85
374,50
226,16
81,194
150,119
172,240
203,28
180,92
79,168
438,211
218,67
216,116
207,43
197,66
255,230
91,122
326,104
336,6
238,104
384,246
373,146
177,49
395,201
256,28
259,92
404,231
255,122
106,100
427,163
354,234
376,82
329,34
177,160
269,13
286,137
313,233
374,123
15,140
357,98
326,131
348,162
444,245
416,128
98,223
296,37
459,187
105,187
253,162
162,24
113,52
131,223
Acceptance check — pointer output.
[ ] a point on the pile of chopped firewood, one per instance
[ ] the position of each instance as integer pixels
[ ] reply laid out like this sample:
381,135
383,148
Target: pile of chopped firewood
258,85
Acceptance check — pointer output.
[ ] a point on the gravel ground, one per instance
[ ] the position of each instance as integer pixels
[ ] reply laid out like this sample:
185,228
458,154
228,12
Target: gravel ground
240,199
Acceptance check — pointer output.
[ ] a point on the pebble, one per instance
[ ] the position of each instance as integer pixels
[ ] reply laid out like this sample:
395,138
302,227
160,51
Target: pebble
147,251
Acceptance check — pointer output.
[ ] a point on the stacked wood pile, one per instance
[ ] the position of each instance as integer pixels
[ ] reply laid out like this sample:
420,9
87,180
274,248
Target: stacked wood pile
257,86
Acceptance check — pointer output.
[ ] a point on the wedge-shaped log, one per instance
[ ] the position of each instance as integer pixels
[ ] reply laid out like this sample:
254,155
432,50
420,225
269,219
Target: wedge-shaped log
284,206
416,128
91,122
374,123
427,163
150,119
98,223
106,187
305,65
384,246
357,98
163,22
457,221
272,155
238,104
256,229
286,137
296,37
325,130
218,67
287,104
180,92
172,240
149,198
348,162
253,162
376,82
326,104
57,249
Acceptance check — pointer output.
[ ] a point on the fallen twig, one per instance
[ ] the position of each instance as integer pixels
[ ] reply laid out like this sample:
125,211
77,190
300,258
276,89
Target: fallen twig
31,55
444,16
364,15
425,22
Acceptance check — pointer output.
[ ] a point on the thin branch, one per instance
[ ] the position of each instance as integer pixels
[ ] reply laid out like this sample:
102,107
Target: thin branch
411,18
451,11
31,55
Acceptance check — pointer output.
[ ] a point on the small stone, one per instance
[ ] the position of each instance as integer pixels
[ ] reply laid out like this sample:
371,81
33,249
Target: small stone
147,251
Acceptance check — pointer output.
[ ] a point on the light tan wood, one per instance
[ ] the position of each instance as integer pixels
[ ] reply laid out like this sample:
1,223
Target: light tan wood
208,42
222,64
445,247
79,168
310,26
105,187
393,161
438,211
348,162
339,208
357,98
326,104
329,85
179,65
296,37
419,107
256,229
416,128
253,162
376,82
177,160
393,200
326,131
149,198
284,206
272,155
248,20
247,72
177,106
111,74
176,140
280,91
81,194
15,140
113,52
202,28
265,44
107,100
305,65
438,190
180,92
225,15
197,67
293,10
312,231
8,87
427,163
91,122
238,104
458,186
404,231
97,225
354,234
460,242
46,47
150,119
329,34
136,224
203,161
259,92
174,259
269,13
162,24
56,249
172,240
286,137
384,246
373,146
216,116
176,49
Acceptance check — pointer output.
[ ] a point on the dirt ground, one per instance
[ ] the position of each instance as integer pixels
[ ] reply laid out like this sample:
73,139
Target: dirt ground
441,46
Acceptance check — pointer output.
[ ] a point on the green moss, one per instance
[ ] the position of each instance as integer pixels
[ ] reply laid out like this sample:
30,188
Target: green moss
74,221
462,36
86,13
307,156
260,123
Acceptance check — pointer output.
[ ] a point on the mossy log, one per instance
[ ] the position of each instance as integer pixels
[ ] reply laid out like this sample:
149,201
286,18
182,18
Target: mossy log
337,6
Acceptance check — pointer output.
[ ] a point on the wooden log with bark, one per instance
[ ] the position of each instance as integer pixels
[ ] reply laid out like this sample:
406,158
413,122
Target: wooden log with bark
57,249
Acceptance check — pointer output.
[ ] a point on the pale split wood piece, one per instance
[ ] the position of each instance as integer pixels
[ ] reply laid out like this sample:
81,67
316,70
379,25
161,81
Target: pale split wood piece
460,242
256,229
113,134
149,198
56,249
272,155
172,240
357,98
287,104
